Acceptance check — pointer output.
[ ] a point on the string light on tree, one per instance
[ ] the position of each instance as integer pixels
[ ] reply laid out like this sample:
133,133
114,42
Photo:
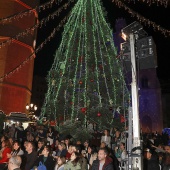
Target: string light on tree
88,60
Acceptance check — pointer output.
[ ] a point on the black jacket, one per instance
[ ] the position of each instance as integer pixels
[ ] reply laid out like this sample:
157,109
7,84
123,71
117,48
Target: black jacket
28,160
108,165
49,163
151,164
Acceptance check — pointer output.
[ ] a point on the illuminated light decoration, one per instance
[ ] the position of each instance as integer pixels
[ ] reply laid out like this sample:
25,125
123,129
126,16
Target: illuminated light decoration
83,110
142,19
86,56
122,118
39,24
99,114
28,11
31,108
80,82
150,2
31,56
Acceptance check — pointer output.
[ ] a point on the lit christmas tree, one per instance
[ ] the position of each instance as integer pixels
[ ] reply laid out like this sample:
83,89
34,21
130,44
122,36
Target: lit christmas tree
86,81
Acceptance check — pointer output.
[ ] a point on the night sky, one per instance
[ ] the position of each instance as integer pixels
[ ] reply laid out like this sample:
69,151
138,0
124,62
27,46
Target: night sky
158,14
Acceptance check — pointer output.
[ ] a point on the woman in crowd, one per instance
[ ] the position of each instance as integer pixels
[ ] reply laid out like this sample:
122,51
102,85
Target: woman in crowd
30,137
11,141
2,139
24,146
40,147
73,163
16,150
106,138
55,145
61,150
120,152
69,152
46,159
60,163
50,136
5,149
91,154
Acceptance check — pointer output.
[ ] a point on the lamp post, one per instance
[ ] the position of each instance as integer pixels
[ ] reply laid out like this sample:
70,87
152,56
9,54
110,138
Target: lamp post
31,108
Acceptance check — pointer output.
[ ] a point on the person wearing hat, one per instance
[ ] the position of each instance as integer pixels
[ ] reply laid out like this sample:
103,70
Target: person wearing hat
150,161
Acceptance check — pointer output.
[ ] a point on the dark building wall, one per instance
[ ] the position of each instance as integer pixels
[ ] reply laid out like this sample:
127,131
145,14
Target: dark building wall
38,92
165,84
150,101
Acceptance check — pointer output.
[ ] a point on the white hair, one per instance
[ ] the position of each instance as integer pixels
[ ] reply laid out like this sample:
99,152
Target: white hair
16,160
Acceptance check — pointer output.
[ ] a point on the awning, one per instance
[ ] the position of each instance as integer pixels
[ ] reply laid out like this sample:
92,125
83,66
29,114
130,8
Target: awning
16,116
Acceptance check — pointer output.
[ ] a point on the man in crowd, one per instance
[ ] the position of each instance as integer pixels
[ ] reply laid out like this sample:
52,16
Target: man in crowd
14,163
167,149
31,156
150,161
104,162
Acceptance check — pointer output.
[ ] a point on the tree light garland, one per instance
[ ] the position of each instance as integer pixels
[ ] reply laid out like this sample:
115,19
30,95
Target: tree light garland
142,19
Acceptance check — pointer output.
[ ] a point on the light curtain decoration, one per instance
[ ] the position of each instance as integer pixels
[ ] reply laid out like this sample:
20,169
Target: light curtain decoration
31,56
39,24
142,19
19,15
151,2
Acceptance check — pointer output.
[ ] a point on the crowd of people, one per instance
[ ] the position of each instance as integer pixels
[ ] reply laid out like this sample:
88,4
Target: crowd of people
37,146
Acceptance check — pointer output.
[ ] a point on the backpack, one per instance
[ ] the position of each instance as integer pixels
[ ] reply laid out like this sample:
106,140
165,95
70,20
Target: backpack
41,166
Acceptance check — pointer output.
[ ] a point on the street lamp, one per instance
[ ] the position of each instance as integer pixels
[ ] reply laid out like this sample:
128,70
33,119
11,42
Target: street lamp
31,108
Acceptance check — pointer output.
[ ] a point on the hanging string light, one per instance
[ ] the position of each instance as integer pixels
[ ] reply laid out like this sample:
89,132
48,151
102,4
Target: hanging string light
39,24
150,2
31,56
142,19
20,15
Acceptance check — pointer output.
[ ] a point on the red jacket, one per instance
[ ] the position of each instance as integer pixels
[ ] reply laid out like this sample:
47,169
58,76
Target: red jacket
4,158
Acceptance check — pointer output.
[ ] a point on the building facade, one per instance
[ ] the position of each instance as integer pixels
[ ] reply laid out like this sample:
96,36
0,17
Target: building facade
17,49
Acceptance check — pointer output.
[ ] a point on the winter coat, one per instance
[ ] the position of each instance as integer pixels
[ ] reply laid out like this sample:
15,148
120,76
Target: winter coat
108,165
60,168
151,164
107,140
91,158
69,166
4,158
83,163
166,167
19,152
49,163
29,160
19,132
61,153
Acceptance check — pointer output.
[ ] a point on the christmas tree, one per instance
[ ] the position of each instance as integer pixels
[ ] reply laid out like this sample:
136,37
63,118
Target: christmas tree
86,82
